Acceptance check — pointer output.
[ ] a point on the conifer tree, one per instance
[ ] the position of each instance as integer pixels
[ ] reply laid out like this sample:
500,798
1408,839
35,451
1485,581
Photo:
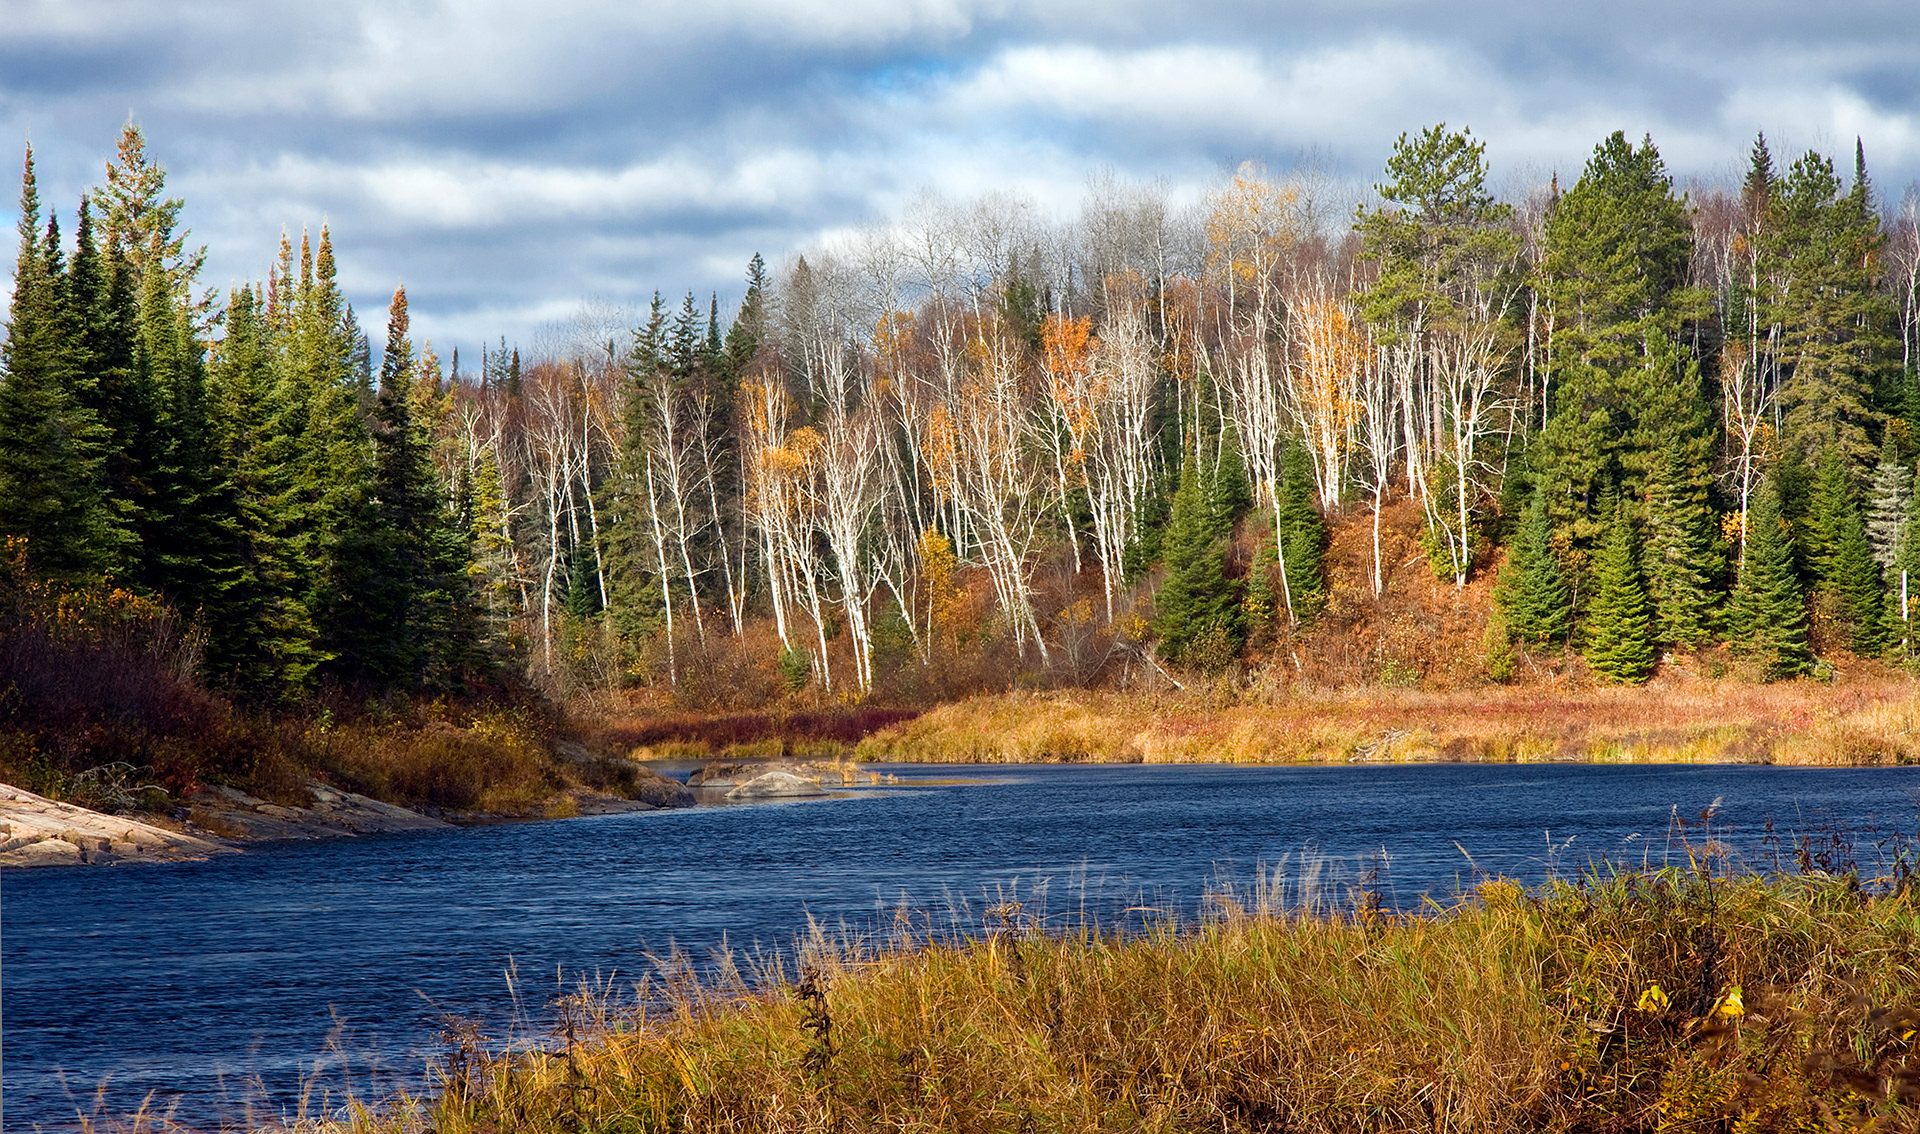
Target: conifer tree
1887,504
111,387
1769,614
1684,561
1197,597
269,651
189,527
1619,630
1903,581
1856,591
52,448
1532,593
1823,255
1618,244
1303,536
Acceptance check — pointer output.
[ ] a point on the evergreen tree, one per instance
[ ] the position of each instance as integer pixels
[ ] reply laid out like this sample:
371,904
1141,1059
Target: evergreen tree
1229,494
189,528
1823,252
268,650
1684,560
1303,536
1197,598
1903,580
110,386
1532,593
1856,592
52,448
1618,245
1619,629
1887,504
1769,615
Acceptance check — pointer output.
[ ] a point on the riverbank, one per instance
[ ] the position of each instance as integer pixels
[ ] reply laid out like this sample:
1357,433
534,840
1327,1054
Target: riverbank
1669,1000
1868,721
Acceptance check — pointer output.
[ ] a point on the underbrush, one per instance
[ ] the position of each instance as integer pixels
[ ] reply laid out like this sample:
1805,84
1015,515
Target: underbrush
1670,1000
1680,720
100,705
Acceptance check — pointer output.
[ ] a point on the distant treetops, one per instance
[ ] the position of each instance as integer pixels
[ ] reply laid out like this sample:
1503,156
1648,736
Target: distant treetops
1688,421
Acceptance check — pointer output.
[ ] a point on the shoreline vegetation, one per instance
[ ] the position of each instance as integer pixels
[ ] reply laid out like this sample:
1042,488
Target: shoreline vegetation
1677,999
1601,482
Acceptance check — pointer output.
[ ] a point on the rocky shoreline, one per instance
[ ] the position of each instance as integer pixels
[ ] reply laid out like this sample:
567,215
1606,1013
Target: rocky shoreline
36,831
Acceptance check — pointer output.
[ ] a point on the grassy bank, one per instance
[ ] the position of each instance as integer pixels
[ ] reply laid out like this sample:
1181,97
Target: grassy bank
1867,721
1668,1001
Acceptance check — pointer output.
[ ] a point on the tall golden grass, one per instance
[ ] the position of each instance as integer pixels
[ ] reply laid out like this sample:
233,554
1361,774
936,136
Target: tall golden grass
1673,1000
1868,721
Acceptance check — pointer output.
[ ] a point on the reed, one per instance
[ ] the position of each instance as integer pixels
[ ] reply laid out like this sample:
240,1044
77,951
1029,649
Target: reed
1678,999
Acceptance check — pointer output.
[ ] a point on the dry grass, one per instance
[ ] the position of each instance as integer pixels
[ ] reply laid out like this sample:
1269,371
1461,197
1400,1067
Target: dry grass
1867,720
1783,1004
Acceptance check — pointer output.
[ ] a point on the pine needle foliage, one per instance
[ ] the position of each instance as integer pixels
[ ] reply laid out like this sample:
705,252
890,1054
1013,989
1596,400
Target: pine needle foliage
1532,593
1619,628
1769,614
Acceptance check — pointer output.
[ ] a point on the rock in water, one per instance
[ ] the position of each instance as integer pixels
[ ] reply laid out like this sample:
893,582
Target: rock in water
773,785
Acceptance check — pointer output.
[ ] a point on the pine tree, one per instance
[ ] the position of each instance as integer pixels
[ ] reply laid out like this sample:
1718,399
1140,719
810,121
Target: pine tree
1197,598
1823,252
1887,504
1684,560
269,649
1619,630
52,448
1618,245
1303,536
1856,590
1769,614
1532,593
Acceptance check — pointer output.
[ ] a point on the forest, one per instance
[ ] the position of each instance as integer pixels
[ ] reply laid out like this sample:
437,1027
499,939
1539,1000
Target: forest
968,447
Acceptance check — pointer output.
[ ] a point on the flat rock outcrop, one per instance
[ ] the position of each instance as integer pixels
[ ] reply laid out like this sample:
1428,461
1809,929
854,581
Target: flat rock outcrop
36,831
333,814
775,785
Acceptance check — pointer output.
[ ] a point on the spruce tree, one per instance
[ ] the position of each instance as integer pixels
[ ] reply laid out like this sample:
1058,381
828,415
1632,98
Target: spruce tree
1532,593
1823,254
1769,614
1619,629
1841,559
1887,504
1903,580
1197,598
268,652
1684,559
1856,591
1614,269
52,448
1302,533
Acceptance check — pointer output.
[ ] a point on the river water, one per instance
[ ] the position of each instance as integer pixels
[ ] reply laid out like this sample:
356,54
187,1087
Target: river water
264,984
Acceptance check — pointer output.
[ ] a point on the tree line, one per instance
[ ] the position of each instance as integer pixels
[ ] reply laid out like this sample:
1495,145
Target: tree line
1688,417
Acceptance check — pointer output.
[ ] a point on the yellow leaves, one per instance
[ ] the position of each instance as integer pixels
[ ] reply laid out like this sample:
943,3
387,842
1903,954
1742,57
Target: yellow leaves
1248,226
938,565
892,336
1066,346
1733,526
1654,999
1333,352
1729,1005
942,450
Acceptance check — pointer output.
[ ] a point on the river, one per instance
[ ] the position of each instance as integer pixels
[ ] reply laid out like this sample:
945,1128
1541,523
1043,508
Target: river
264,984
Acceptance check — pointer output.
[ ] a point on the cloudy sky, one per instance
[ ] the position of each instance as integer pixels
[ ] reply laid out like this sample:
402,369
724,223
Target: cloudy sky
509,161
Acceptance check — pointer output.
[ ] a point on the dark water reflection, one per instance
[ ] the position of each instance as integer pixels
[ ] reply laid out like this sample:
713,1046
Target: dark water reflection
225,986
